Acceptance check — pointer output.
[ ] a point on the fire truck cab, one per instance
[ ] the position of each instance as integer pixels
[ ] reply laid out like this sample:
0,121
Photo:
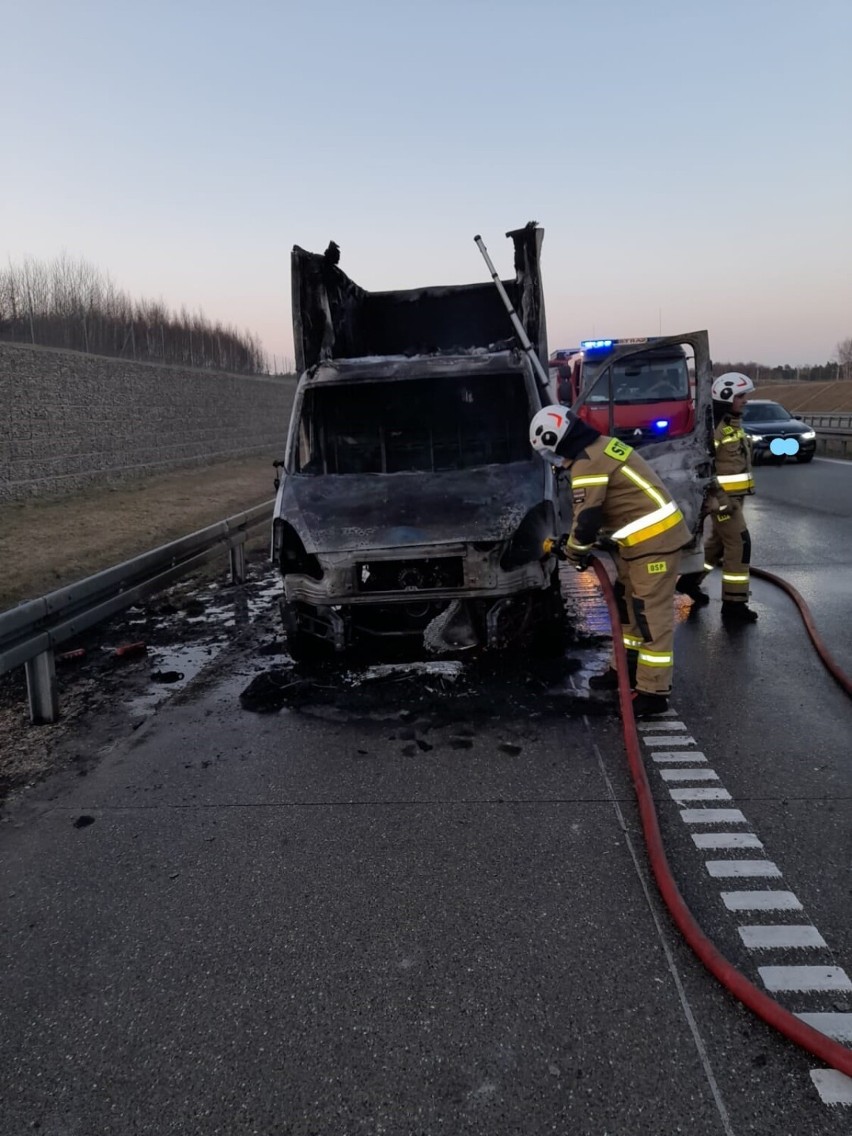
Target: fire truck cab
640,390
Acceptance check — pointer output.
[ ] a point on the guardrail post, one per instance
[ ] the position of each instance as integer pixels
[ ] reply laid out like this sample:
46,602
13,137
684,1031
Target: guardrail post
41,688
238,563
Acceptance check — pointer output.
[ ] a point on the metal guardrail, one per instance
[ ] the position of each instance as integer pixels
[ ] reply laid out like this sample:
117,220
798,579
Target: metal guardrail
834,421
833,431
30,632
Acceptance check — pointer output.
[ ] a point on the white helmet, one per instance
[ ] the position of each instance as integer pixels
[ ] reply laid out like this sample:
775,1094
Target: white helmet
549,427
729,385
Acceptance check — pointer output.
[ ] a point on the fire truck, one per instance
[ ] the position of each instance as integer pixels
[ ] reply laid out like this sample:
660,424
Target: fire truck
653,393
639,390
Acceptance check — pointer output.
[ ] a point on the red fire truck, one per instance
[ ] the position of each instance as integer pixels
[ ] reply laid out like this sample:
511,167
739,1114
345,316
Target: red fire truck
640,390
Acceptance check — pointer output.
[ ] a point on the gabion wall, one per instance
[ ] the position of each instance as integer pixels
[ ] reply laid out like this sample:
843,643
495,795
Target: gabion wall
68,419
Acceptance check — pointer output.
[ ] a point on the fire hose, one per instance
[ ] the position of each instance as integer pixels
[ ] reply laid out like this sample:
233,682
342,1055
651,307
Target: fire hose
775,1015
825,658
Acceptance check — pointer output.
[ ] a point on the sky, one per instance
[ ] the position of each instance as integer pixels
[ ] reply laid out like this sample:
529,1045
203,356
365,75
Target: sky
690,162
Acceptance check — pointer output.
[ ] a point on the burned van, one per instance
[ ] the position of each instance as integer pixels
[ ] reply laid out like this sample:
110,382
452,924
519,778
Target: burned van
410,503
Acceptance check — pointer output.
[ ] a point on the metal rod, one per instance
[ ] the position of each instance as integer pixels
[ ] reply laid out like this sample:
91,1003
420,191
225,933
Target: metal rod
513,315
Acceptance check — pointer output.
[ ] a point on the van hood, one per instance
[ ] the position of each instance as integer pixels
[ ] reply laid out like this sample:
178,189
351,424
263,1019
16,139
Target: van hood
407,510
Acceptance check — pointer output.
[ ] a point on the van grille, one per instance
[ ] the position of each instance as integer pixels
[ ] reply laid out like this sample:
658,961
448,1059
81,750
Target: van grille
410,575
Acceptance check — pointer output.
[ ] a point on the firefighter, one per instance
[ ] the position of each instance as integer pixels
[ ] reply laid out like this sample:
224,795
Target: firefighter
729,542
617,495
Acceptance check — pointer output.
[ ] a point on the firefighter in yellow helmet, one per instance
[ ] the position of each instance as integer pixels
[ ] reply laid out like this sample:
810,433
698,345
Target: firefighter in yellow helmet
617,494
729,542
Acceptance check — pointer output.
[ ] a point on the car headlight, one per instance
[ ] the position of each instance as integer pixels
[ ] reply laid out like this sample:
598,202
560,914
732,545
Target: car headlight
756,437
808,435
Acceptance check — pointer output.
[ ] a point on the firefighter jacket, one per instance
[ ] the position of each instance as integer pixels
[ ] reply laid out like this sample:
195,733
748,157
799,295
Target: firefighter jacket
618,495
733,457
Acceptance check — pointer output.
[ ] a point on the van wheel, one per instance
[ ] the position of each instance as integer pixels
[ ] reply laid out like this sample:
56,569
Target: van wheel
549,631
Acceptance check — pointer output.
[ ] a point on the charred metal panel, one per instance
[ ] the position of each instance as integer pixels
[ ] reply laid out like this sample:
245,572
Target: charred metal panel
407,510
334,318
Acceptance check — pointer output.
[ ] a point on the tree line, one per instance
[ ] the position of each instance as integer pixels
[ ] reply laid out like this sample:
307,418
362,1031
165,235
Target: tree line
71,304
838,368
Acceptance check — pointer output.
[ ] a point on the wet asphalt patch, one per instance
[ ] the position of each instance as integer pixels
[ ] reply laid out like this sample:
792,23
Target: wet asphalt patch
443,693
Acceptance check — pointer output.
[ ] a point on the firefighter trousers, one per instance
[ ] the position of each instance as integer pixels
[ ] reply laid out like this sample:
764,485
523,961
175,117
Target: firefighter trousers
729,544
645,594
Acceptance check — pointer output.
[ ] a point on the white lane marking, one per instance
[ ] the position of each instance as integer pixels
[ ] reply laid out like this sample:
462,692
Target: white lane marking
832,1086
767,937
646,726
699,794
760,901
804,978
838,1026
689,775
726,840
712,816
672,965
725,869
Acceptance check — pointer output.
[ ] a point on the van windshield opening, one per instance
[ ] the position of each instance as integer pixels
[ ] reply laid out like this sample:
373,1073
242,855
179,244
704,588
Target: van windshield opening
416,425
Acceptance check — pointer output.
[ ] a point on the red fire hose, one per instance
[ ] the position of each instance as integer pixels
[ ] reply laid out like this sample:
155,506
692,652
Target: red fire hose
825,1048
825,658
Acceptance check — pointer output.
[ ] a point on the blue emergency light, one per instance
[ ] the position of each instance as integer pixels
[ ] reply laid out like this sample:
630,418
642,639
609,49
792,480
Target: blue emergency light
661,424
595,344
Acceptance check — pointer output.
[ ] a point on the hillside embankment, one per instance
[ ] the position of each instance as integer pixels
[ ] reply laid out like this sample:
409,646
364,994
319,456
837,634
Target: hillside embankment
810,398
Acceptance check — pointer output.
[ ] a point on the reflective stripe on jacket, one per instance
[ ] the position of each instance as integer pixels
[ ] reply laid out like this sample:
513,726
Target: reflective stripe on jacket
618,494
733,457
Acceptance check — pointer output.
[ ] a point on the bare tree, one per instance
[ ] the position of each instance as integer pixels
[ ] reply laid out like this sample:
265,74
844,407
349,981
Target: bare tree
844,355
68,303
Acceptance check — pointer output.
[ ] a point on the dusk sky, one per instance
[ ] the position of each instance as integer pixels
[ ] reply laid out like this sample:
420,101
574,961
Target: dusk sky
690,162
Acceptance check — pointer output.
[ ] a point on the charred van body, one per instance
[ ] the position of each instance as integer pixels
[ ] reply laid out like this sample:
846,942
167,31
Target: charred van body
411,504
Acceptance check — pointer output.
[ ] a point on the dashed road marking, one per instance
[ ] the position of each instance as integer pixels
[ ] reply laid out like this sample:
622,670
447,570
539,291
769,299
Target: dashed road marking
767,937
700,794
805,978
689,775
647,727
667,737
832,1086
724,869
712,816
760,901
838,1026
721,840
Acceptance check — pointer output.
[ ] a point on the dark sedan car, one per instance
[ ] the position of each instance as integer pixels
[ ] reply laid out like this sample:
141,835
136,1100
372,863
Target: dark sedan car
776,434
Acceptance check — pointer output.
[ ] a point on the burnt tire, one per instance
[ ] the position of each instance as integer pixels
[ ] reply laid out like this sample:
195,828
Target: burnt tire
549,632
302,647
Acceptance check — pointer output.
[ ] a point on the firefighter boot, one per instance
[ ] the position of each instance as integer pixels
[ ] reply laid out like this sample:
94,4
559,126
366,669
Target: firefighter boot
688,585
608,680
645,704
737,612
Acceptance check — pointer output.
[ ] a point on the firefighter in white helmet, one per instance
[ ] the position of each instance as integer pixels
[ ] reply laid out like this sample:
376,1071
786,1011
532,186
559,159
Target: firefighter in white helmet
616,494
729,542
